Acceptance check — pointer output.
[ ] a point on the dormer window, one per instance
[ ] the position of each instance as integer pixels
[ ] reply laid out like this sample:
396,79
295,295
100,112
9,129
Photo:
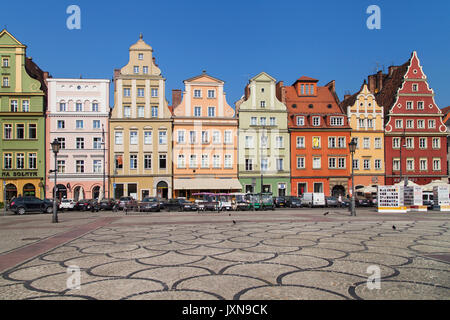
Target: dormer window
300,121
329,106
337,121
316,121
302,89
141,56
310,106
311,89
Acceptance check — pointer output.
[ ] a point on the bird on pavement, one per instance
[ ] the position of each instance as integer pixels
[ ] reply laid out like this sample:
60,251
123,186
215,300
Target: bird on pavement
326,213
234,222
393,227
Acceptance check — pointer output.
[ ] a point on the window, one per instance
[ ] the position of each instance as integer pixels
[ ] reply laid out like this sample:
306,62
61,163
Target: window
264,164
145,69
62,106
96,124
140,92
378,143
205,161
316,121
300,162
118,137
147,137
119,161
331,163
80,166
162,137
398,124
127,111
94,107
197,111
331,142
370,123
61,164
272,121
420,105
211,111
97,166
141,56
126,92
248,165
361,123
279,142
80,143
436,164
147,161
133,162
79,124
181,163
337,121
366,143
396,164
61,142
280,164
5,82
97,144
409,105
7,161
264,140
317,163
205,137
133,137
410,124
248,141
26,105
78,107
366,164
356,164
5,62
423,164
318,187
180,136
193,161
415,87
253,121
192,137
431,124
154,112
216,137
341,163
436,143
302,89
409,143
32,132
228,137
422,143
420,124
228,161
357,142
263,104
300,142
262,121
311,89
141,111
396,143
410,164
20,161
14,106
216,161
341,143
316,142
136,69
197,93
20,131
300,121
211,94
154,92
7,131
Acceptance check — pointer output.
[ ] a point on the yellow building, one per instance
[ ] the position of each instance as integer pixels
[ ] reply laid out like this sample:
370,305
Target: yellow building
367,121
140,129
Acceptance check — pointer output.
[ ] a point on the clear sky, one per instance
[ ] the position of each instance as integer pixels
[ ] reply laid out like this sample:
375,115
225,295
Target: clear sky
235,40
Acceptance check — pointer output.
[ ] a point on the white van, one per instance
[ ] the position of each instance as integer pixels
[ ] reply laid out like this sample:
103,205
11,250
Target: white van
313,199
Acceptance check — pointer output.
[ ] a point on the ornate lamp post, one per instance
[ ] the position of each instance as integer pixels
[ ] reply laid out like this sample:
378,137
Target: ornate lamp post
352,147
55,148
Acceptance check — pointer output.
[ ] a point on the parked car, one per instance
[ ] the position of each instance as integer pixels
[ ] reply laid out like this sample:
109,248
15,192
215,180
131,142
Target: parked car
162,203
82,205
279,202
181,205
22,205
315,199
332,202
94,205
363,203
126,203
293,202
346,202
107,204
149,204
67,204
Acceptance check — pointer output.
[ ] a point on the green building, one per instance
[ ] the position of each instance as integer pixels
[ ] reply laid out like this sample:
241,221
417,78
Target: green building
22,120
264,146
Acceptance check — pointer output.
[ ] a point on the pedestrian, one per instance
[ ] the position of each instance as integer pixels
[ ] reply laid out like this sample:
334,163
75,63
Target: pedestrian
340,201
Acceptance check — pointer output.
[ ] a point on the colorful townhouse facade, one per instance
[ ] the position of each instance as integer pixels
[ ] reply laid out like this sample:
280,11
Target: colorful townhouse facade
415,134
264,149
366,119
140,129
204,139
77,117
22,119
319,137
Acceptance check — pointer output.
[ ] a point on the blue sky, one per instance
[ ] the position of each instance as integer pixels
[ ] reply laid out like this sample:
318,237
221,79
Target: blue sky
235,40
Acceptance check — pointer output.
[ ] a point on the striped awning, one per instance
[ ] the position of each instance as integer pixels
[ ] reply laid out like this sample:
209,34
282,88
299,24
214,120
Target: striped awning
207,184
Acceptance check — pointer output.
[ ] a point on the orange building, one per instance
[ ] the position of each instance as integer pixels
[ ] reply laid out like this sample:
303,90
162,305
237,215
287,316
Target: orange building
204,139
319,134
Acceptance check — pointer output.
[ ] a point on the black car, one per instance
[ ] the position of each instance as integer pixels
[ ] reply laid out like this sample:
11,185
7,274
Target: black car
363,203
107,204
22,205
293,202
279,202
149,204
181,205
82,205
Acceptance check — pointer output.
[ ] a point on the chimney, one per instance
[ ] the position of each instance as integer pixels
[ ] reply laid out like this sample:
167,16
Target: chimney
153,58
371,82
176,97
280,93
379,80
392,69
346,96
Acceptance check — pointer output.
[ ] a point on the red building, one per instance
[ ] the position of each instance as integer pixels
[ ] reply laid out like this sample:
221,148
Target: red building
319,134
415,134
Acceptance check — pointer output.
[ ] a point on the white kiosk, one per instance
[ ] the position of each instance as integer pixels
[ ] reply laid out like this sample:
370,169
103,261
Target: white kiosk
441,198
391,199
414,198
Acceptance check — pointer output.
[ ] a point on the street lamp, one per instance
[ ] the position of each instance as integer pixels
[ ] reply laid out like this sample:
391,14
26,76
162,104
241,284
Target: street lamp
104,161
55,148
352,147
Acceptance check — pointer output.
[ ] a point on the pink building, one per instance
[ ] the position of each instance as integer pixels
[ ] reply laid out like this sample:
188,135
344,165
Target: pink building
77,116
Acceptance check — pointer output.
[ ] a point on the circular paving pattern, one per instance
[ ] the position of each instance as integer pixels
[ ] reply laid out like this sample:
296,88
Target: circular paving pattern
247,260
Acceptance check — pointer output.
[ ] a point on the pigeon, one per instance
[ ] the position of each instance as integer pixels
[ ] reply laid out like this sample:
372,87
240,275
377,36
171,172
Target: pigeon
234,222
393,227
229,214
326,213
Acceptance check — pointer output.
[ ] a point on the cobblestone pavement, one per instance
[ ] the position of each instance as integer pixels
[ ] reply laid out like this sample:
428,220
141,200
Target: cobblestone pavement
286,254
